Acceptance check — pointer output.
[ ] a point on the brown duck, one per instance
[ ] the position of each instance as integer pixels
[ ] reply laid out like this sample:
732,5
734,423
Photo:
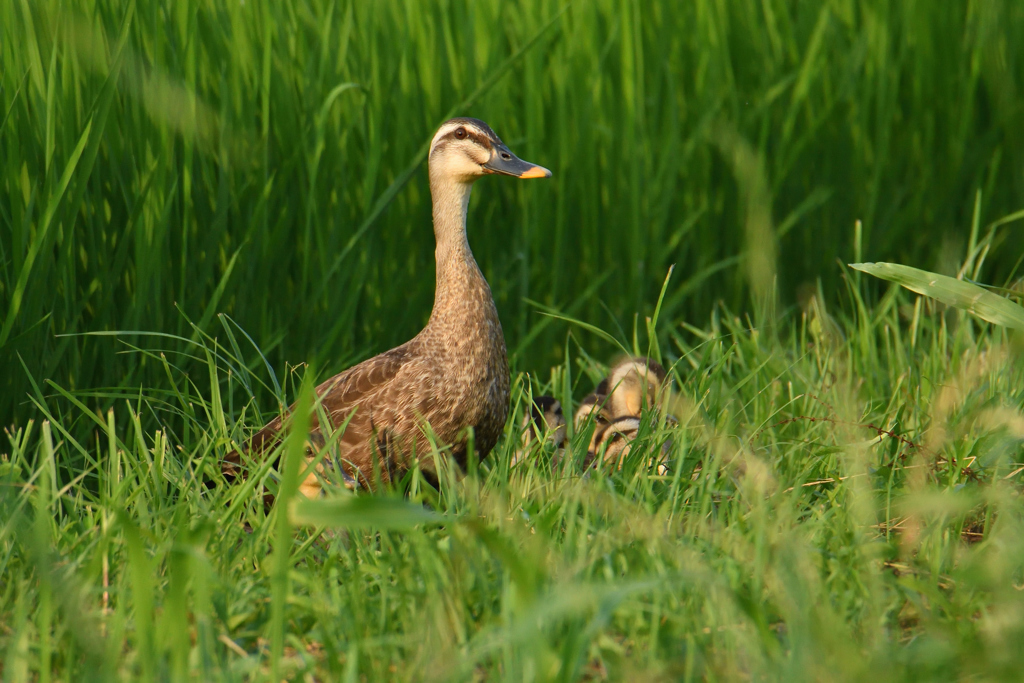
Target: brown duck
452,376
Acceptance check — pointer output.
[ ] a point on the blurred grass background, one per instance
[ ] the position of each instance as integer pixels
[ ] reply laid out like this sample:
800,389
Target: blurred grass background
166,162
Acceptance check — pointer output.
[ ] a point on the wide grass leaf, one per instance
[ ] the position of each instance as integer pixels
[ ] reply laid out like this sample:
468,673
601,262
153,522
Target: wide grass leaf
963,295
364,512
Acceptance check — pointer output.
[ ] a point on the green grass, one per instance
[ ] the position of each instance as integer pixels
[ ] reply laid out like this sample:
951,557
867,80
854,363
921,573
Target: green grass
204,206
843,502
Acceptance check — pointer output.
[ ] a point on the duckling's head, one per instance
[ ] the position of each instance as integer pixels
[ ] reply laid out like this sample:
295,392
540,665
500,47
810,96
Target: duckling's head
613,442
465,149
590,408
591,413
635,384
545,420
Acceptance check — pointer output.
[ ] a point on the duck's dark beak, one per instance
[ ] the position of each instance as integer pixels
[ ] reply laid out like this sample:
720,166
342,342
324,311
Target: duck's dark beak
505,162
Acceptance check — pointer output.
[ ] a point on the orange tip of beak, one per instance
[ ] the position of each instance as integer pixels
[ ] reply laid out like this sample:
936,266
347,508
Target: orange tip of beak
536,172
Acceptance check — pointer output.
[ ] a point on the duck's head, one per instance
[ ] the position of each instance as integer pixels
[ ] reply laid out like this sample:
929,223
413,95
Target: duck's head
465,149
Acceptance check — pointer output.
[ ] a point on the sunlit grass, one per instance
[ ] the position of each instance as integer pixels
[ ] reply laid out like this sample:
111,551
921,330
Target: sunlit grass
204,207
842,502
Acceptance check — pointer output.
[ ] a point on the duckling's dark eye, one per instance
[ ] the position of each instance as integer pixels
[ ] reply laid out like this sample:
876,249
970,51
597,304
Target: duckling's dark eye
460,133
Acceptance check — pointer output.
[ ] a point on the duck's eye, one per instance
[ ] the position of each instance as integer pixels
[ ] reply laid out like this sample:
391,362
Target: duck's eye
460,133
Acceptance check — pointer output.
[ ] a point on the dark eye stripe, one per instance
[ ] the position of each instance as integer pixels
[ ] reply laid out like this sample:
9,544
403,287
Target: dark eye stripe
481,140
471,134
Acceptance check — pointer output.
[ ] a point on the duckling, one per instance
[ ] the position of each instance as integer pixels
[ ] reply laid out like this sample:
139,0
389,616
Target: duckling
592,405
327,469
616,439
635,384
545,423
454,374
592,409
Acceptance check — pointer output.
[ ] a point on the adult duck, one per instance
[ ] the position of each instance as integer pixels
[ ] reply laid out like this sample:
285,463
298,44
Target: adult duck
452,376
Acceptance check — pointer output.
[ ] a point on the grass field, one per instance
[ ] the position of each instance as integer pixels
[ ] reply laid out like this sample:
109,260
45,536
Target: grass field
205,205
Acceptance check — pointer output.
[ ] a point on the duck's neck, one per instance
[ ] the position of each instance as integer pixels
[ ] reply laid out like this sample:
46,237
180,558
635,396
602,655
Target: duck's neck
456,268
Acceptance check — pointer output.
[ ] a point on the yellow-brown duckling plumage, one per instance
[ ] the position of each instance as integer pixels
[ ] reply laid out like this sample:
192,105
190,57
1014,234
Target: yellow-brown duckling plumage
633,386
453,375
592,414
616,438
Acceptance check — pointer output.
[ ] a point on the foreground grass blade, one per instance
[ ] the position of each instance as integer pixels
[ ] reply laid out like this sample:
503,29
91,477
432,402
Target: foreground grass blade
364,512
293,459
963,295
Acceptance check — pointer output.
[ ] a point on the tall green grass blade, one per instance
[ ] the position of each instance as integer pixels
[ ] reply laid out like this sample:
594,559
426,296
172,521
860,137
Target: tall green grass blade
140,567
281,562
211,307
14,100
41,235
43,540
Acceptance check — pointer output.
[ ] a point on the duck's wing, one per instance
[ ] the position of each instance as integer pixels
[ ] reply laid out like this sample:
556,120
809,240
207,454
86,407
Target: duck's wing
374,401
369,392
